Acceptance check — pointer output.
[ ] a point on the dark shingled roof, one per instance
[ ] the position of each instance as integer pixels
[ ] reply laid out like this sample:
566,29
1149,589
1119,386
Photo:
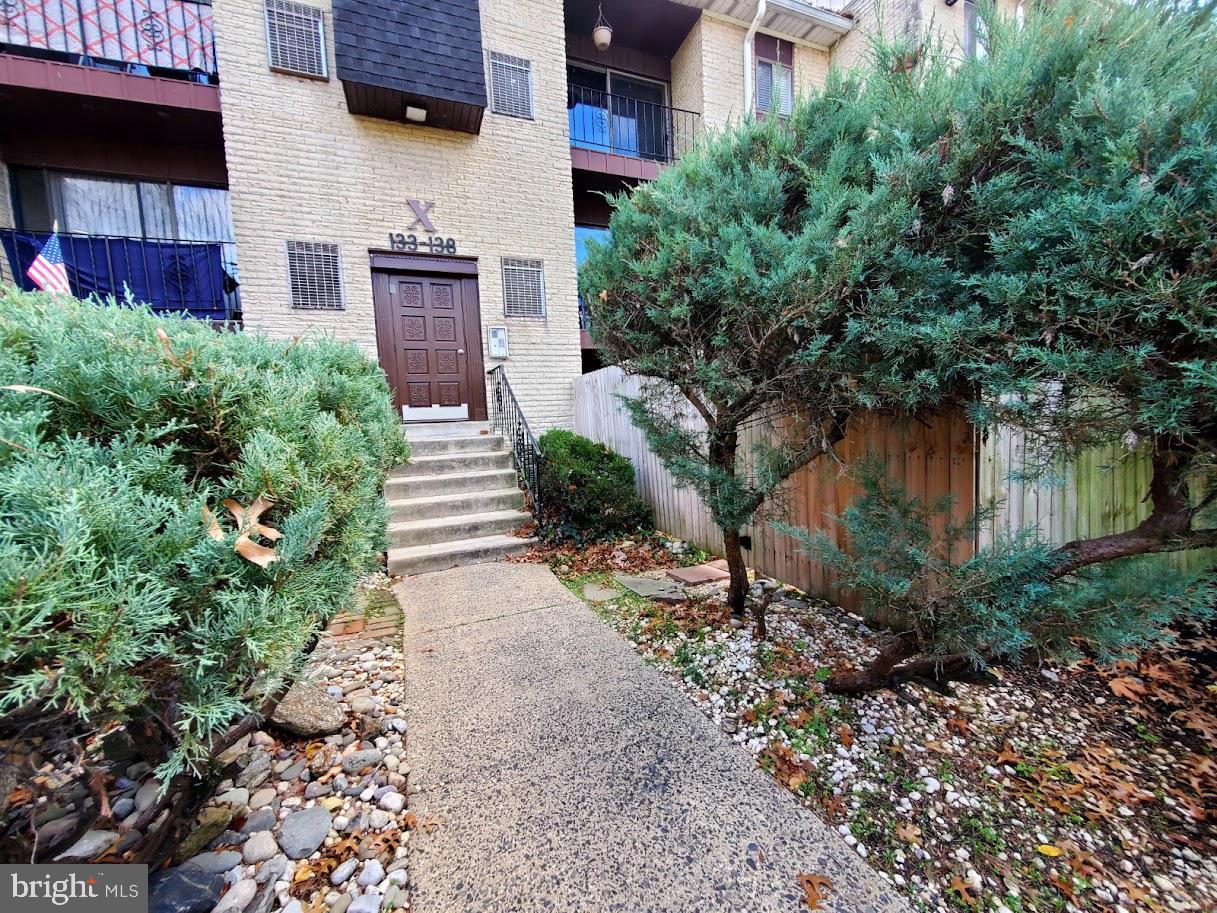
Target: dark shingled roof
421,48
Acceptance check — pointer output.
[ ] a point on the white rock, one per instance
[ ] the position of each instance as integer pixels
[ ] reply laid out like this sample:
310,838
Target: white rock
393,802
373,873
238,897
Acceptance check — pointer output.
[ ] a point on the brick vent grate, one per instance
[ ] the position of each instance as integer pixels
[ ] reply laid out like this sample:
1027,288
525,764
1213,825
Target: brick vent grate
295,38
314,271
523,287
510,85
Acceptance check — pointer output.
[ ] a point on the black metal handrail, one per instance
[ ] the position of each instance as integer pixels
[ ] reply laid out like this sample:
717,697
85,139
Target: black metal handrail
169,275
151,37
507,418
629,126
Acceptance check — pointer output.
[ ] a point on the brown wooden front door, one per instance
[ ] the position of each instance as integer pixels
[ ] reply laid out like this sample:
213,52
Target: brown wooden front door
429,339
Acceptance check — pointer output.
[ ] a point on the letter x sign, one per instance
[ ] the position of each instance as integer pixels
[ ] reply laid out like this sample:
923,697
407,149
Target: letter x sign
422,215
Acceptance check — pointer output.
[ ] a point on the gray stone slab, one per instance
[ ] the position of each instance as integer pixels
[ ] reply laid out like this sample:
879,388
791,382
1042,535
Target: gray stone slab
651,587
566,774
596,592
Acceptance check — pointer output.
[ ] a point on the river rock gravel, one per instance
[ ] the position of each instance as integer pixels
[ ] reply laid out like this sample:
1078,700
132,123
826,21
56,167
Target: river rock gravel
1043,790
322,824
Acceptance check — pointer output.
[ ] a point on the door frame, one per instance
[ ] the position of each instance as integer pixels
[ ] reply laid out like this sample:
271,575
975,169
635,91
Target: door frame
466,270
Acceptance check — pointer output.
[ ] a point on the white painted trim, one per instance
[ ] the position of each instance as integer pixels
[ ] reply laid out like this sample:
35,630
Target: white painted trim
435,413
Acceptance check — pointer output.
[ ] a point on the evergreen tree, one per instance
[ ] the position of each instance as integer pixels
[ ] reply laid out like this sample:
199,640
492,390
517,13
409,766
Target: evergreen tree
183,510
1071,198
728,284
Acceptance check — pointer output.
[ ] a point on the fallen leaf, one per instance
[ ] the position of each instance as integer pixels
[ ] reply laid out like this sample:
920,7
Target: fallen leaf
430,823
846,734
958,726
834,808
248,526
411,821
1047,849
1008,755
1127,687
815,889
247,517
252,551
908,832
964,890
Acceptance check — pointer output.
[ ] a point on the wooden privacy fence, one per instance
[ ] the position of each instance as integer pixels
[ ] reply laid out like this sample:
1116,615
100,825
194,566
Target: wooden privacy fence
933,459
1100,493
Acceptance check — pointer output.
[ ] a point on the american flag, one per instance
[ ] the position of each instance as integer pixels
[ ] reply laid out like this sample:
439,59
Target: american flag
48,270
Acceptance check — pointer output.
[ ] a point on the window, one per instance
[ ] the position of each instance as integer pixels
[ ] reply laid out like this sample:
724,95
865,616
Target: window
523,288
975,32
123,208
315,274
510,85
295,38
583,234
774,87
626,115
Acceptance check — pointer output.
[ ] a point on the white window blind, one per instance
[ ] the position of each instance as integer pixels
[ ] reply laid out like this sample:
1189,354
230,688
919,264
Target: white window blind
314,272
774,87
510,85
523,287
295,38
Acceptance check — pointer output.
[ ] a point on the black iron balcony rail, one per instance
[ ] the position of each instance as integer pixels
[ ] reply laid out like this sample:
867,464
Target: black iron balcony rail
198,278
628,126
507,418
149,37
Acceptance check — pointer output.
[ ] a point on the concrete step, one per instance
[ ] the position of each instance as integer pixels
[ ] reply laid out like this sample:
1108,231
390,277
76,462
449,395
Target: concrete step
455,505
420,559
449,463
418,430
453,529
482,443
421,486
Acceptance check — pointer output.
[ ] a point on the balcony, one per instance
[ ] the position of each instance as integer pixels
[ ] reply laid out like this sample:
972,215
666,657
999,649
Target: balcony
617,125
168,38
197,278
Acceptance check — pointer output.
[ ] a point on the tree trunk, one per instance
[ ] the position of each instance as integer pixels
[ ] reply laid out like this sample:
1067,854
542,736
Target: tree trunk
879,673
1168,528
724,443
737,591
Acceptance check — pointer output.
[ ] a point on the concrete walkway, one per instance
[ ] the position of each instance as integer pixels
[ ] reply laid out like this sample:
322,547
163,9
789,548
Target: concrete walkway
561,773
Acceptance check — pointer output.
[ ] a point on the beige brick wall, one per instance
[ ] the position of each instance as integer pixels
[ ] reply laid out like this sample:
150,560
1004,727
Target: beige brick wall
688,83
911,18
708,71
810,68
896,18
302,167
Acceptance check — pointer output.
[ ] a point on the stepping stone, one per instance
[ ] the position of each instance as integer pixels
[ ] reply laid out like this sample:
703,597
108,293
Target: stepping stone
698,574
652,588
596,592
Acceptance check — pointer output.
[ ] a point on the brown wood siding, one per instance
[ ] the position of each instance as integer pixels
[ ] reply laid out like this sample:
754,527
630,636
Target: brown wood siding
581,49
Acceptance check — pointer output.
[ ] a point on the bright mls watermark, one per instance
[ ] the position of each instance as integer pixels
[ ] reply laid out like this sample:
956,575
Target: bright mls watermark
74,888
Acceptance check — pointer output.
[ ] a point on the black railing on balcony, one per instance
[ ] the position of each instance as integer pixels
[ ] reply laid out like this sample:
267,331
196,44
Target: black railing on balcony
195,277
148,37
585,315
507,418
628,126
